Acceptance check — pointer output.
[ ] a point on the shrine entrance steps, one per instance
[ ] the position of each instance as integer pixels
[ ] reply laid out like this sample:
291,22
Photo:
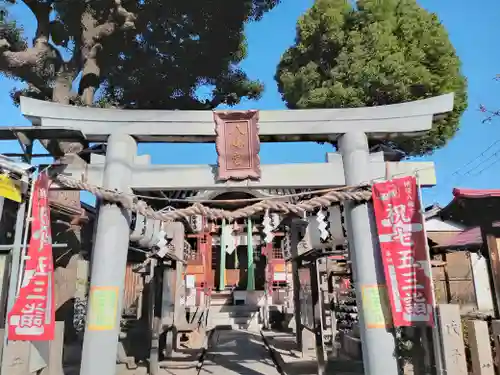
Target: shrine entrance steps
225,314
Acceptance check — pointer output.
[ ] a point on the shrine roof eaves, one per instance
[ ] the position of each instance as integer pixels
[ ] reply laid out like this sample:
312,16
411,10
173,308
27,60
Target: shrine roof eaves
405,119
473,207
476,193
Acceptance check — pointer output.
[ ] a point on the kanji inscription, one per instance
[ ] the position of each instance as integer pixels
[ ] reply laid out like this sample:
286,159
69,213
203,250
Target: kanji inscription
32,318
400,226
238,145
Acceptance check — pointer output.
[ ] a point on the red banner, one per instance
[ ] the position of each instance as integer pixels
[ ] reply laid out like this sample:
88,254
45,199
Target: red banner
32,317
404,252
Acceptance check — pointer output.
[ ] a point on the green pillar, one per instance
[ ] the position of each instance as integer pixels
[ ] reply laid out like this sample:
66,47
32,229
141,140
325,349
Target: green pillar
251,265
222,268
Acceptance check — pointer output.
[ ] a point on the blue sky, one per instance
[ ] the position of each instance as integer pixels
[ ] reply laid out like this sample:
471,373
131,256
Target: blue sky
474,31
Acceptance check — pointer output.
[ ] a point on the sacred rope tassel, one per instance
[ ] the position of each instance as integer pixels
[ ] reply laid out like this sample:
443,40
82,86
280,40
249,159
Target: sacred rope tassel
322,225
236,229
268,228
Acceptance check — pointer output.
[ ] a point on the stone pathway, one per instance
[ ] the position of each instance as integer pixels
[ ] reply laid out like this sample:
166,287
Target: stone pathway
234,352
293,362
182,363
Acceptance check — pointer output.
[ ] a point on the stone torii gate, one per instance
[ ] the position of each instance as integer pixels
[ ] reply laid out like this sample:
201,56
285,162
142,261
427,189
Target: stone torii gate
123,170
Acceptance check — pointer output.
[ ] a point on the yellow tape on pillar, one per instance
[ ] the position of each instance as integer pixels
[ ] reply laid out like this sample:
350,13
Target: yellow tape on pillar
10,189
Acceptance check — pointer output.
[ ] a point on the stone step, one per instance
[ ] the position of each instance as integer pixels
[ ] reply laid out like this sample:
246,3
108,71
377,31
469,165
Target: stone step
232,319
221,298
236,309
234,323
235,314
222,294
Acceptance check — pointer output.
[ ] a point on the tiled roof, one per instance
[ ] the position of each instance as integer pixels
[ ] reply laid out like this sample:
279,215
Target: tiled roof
476,193
440,237
468,239
471,207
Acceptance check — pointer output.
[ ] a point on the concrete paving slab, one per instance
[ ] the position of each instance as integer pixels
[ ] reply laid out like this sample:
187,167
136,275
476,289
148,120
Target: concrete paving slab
181,363
234,352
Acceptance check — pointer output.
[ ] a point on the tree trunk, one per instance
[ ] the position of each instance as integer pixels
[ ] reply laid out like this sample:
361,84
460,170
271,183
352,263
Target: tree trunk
61,93
90,78
62,87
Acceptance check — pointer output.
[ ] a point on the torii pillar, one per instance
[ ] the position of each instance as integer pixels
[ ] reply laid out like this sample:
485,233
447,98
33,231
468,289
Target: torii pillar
378,344
108,263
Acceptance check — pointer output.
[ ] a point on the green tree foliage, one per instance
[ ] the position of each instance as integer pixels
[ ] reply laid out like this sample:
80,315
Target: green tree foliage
182,46
377,52
10,32
133,53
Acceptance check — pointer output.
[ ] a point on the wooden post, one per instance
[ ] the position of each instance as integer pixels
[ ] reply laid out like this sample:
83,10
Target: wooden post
251,265
481,280
268,252
452,339
168,309
480,349
446,279
495,331
206,250
154,322
2,342
172,309
295,238
180,295
494,267
317,300
222,260
419,355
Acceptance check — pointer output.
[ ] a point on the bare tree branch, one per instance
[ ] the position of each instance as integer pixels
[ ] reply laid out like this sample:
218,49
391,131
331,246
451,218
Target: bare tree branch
126,18
94,33
36,65
41,11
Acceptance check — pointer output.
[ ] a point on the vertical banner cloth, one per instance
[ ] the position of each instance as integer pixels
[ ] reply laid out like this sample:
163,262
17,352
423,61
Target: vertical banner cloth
400,226
32,317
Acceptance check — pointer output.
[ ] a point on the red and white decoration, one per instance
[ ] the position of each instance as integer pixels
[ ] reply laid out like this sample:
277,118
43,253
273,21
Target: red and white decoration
400,226
32,317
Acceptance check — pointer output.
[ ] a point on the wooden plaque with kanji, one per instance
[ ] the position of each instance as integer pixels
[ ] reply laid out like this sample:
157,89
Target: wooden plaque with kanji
238,145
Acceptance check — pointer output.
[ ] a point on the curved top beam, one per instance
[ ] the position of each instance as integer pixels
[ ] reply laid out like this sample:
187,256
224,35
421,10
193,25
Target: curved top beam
278,125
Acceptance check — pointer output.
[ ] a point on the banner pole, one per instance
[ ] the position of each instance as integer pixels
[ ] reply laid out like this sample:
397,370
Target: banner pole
16,257
24,246
436,338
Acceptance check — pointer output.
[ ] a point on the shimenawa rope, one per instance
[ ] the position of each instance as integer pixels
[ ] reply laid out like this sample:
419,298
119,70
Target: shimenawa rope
130,202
